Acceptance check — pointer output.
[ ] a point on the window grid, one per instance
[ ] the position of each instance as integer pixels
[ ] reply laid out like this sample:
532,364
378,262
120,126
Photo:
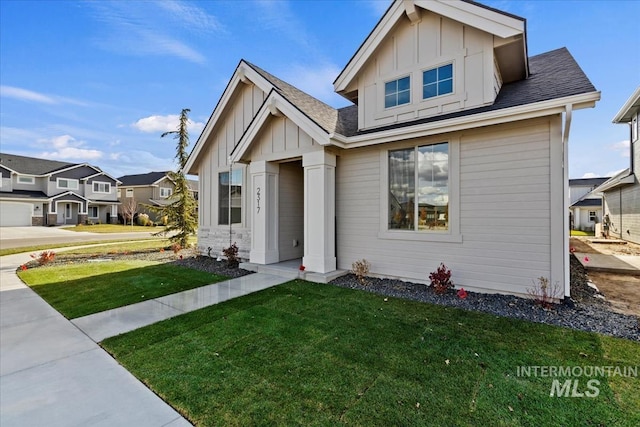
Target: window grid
397,92
437,81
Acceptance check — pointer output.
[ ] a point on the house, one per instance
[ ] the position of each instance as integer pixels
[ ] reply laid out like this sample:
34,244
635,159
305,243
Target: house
621,194
48,192
585,205
150,189
453,151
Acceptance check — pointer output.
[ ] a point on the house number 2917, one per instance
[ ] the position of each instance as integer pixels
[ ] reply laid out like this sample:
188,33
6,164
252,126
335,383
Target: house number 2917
258,199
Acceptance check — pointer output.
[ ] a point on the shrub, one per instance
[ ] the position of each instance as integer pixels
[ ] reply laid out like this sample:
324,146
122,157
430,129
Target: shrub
143,219
441,279
44,257
360,269
232,255
544,293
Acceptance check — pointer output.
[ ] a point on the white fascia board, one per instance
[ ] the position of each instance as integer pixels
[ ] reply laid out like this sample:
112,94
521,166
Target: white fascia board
369,46
277,101
157,182
495,23
633,101
21,199
243,71
98,174
52,198
489,118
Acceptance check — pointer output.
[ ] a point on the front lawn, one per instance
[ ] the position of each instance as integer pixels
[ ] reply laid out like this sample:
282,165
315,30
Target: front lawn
79,289
581,233
308,354
114,228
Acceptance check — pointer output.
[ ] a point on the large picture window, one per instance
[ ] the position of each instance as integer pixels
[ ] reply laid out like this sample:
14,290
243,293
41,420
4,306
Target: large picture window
66,183
101,187
419,188
235,185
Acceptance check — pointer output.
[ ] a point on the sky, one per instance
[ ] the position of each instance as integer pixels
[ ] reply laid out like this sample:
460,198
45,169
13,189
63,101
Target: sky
100,81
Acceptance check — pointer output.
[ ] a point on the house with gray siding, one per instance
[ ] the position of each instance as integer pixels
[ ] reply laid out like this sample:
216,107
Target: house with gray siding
452,151
585,204
621,194
48,192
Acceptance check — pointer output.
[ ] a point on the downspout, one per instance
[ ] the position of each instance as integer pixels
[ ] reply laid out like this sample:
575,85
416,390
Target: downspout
229,214
565,199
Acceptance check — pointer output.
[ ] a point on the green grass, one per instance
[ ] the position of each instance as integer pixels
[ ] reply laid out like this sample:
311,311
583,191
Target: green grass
307,354
120,247
114,228
80,289
36,248
582,233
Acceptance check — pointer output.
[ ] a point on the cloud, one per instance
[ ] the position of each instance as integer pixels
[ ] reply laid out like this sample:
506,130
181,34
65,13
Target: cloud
25,95
622,147
143,28
590,175
168,123
68,148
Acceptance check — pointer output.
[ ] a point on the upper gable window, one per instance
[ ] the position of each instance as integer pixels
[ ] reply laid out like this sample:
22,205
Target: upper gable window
397,92
26,180
165,192
437,81
69,184
101,187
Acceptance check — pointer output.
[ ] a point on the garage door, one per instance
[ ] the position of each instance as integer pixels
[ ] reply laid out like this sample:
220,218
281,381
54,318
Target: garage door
15,214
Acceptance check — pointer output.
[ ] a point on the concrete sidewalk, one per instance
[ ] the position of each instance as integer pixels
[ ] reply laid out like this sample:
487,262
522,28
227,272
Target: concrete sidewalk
620,264
52,372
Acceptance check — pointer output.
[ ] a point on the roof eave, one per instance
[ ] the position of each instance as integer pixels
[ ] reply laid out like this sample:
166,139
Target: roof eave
632,104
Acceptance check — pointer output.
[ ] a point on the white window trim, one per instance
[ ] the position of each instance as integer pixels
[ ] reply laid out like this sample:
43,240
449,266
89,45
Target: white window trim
70,181
31,180
118,193
452,235
244,209
166,189
384,92
453,81
108,184
127,192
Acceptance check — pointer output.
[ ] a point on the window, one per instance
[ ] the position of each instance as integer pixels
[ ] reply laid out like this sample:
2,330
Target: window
397,92
69,184
93,212
165,192
592,216
437,81
26,180
101,187
235,188
119,192
129,192
419,174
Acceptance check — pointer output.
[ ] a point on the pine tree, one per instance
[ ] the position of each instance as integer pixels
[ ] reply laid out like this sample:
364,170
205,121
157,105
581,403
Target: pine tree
181,211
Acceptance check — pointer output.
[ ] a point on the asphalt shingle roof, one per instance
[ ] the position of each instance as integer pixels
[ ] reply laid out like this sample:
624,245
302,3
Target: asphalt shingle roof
587,182
141,179
553,75
32,165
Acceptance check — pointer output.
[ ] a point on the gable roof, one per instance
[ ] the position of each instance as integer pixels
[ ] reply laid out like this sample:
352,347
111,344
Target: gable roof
150,178
587,182
629,108
31,165
493,21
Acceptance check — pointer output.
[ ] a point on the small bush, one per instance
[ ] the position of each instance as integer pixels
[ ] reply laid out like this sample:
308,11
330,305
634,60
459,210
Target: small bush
441,279
544,293
360,269
143,219
232,255
44,257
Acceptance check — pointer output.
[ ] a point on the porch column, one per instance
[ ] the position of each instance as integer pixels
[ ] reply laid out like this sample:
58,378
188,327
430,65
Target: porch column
576,219
264,215
319,211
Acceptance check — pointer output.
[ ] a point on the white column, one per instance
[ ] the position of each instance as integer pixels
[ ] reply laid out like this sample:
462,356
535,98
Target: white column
264,215
319,211
576,219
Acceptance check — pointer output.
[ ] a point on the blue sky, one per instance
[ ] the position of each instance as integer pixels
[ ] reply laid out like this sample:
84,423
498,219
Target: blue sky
99,81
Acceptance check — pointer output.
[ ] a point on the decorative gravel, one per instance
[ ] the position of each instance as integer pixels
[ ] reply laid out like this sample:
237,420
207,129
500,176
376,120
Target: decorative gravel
584,311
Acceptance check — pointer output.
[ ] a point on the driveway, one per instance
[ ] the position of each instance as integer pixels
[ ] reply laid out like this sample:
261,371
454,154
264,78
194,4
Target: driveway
19,237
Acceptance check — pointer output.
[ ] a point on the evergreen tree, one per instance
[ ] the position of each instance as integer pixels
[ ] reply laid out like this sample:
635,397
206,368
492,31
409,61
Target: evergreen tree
181,211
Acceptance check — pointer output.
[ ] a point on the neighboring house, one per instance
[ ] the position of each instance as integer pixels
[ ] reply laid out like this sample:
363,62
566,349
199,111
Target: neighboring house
585,205
454,151
47,192
621,194
150,189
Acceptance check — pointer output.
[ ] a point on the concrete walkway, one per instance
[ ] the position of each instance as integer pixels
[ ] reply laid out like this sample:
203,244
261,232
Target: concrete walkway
52,372
620,264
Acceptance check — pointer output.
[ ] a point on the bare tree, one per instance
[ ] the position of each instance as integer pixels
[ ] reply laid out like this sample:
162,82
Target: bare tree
128,210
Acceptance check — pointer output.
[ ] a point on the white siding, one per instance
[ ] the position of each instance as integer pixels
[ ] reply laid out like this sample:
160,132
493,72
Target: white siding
505,212
281,139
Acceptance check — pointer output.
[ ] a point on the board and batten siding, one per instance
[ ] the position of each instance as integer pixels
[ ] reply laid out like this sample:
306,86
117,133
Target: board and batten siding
411,49
623,206
506,208
232,124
